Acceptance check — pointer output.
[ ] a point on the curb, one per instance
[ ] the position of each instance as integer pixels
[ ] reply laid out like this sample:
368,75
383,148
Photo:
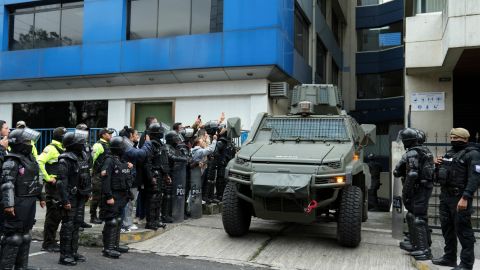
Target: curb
93,236
426,265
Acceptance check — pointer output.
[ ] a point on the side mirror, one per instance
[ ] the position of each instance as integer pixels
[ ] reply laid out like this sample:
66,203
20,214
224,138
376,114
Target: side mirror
370,134
234,127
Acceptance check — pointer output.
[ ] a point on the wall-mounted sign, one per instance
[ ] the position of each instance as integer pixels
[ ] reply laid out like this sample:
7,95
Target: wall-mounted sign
428,101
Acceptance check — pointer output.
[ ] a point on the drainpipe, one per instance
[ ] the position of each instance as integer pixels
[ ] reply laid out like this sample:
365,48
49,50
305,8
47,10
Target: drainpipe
314,40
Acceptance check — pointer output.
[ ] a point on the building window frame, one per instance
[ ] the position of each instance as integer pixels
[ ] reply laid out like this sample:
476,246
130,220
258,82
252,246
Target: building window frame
216,20
37,8
301,40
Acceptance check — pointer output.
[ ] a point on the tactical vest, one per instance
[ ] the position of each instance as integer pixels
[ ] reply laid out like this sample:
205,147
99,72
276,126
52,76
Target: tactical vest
160,162
27,183
73,174
85,183
97,166
453,170
52,168
425,164
121,177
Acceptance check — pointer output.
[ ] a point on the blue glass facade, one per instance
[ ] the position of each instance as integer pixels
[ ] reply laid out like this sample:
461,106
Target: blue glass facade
255,33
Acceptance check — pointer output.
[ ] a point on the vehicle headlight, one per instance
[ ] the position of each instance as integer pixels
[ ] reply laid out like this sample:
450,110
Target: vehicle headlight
241,161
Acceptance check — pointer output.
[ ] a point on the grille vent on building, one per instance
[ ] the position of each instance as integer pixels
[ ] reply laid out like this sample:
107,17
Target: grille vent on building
278,89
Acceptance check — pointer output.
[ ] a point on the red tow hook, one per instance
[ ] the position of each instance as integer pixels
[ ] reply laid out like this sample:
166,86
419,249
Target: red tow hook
312,205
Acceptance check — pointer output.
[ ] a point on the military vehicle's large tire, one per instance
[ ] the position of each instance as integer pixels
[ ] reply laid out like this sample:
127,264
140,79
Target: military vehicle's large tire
349,227
236,213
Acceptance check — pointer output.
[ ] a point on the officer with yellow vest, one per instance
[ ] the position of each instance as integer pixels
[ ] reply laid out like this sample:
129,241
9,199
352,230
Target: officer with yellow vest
100,151
48,163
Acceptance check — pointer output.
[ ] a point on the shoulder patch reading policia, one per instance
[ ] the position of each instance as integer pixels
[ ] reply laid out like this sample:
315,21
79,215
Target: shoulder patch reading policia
45,150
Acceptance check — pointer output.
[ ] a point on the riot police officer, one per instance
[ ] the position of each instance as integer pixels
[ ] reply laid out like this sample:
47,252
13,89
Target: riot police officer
48,163
116,183
417,168
210,174
69,180
85,188
177,158
156,170
21,188
224,152
458,176
100,152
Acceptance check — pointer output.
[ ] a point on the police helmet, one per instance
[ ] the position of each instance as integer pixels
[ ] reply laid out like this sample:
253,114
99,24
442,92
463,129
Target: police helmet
58,133
408,137
211,127
72,138
421,136
173,138
23,135
119,144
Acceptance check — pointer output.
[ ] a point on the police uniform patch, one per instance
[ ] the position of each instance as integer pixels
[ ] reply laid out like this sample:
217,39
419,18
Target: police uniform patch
477,168
45,150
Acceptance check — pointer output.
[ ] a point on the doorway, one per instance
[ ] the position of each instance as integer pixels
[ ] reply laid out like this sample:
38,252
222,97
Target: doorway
163,111
465,81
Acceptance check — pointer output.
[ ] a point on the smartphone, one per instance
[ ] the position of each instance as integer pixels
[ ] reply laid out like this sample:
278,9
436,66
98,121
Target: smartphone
199,116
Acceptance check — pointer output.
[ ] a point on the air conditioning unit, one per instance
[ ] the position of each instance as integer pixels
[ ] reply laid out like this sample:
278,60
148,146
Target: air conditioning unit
278,89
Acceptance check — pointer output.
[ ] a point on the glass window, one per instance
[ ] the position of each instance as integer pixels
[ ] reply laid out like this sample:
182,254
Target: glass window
375,39
323,7
371,2
382,85
335,73
72,26
336,28
306,129
21,32
143,19
321,61
426,6
42,26
201,10
216,16
47,29
173,17
301,34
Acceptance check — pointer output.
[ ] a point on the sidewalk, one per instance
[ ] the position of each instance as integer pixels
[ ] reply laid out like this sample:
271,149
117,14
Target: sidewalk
93,236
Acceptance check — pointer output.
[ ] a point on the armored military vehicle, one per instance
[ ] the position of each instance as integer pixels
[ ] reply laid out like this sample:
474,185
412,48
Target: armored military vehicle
303,167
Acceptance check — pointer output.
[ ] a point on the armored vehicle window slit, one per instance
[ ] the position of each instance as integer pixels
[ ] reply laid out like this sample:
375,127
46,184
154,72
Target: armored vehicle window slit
307,129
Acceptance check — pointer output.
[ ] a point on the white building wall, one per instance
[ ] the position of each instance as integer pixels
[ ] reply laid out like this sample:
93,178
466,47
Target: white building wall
243,98
6,110
430,121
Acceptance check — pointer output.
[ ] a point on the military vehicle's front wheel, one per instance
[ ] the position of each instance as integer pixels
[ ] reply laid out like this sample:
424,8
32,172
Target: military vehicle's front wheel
236,213
349,227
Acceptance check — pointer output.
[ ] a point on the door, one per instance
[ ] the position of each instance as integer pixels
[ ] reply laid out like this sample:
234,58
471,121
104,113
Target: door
163,111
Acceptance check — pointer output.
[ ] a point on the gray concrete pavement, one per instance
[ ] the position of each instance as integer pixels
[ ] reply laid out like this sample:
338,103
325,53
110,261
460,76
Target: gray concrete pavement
282,245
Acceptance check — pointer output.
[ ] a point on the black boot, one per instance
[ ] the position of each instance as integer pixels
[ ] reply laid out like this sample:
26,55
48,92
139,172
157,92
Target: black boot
75,238
66,251
444,262
158,222
85,225
10,248
422,252
118,247
109,235
409,245
95,220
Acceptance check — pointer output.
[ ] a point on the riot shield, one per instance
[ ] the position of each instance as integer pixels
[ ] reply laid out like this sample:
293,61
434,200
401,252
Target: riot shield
179,175
196,193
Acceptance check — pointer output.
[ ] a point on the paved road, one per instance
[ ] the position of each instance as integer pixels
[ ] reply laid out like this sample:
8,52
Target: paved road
133,260
282,245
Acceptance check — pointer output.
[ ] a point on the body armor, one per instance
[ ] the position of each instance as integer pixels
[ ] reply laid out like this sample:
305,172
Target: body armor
27,183
85,183
97,166
121,177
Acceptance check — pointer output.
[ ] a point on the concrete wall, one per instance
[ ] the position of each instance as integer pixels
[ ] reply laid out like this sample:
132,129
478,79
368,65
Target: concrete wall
236,98
430,121
431,37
